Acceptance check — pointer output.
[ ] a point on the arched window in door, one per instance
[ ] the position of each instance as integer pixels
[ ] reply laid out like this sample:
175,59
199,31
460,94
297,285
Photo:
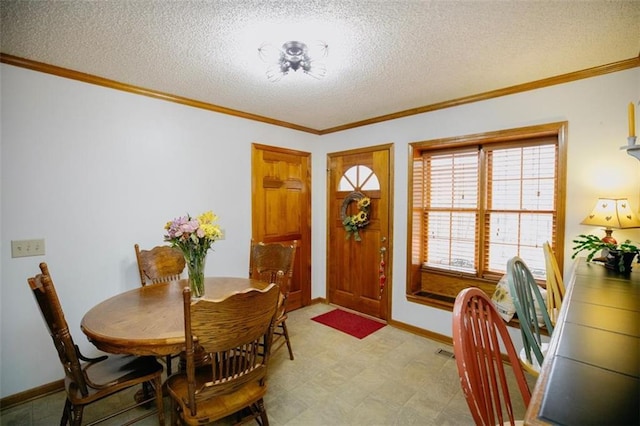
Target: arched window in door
359,178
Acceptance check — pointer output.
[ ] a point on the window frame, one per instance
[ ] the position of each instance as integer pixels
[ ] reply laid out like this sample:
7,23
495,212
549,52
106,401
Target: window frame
452,281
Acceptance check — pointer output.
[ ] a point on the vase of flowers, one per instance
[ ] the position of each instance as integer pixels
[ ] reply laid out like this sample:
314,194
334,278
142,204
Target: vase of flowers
194,237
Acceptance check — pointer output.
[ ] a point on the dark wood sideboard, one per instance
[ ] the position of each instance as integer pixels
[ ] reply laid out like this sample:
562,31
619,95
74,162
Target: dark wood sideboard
591,373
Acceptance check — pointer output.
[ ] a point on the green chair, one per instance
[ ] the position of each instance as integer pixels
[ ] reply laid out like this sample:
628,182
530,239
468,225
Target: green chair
530,306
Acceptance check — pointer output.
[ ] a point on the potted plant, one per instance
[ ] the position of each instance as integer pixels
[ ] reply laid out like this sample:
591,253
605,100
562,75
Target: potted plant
617,257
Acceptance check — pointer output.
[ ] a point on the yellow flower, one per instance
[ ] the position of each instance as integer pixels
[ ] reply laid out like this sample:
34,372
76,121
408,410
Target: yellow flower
361,217
364,202
211,232
207,217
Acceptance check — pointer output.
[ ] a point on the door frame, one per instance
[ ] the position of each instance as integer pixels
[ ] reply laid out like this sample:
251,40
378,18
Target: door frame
388,291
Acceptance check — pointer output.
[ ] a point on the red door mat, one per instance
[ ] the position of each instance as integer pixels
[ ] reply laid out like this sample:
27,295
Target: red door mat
355,325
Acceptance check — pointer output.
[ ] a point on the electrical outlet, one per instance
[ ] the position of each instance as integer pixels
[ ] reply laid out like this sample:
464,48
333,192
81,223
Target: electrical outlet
24,248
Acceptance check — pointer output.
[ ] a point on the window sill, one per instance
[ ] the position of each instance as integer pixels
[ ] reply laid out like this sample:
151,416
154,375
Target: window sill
446,303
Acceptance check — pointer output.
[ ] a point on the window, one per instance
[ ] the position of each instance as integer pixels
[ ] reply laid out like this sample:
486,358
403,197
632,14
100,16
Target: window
479,200
359,178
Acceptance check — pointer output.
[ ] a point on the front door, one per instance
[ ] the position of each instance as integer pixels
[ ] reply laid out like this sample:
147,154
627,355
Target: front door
281,210
359,232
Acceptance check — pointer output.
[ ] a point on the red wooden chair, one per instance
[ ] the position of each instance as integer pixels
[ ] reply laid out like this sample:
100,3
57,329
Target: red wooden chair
478,335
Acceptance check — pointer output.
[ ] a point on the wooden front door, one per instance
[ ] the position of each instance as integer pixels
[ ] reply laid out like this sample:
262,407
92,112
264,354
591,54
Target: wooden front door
281,209
359,272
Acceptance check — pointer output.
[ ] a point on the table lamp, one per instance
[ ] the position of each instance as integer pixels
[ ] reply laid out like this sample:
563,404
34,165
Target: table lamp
612,213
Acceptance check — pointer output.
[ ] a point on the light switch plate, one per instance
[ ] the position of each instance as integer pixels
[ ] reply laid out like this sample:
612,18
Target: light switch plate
24,248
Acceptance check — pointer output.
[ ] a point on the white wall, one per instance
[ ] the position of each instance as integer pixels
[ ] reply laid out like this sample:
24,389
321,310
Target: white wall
94,170
596,112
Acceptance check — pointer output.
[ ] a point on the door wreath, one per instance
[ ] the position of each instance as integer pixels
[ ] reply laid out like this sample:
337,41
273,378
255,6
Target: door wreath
353,223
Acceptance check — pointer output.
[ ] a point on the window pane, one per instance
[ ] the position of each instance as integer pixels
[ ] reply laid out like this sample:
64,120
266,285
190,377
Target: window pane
359,177
506,195
522,178
372,184
453,181
503,228
451,240
349,180
538,195
518,234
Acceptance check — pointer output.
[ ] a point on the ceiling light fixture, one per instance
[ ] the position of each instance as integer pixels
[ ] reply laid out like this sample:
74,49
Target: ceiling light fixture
294,55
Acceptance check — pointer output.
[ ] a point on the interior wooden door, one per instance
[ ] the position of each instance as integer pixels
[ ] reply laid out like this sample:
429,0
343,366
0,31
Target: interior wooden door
281,202
359,272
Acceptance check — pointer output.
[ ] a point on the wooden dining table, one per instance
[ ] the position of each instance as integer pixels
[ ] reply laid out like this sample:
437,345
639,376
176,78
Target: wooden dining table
149,320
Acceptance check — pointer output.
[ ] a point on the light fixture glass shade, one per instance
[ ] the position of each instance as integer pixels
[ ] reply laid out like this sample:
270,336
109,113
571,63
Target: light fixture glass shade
612,213
294,56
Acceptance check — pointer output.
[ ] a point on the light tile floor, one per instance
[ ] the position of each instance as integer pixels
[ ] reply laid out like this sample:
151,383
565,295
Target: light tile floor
391,377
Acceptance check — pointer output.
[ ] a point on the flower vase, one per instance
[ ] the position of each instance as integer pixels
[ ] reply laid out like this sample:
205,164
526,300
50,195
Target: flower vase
195,267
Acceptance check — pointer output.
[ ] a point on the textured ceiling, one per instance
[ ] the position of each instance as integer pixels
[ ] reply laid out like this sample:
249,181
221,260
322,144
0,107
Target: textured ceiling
384,56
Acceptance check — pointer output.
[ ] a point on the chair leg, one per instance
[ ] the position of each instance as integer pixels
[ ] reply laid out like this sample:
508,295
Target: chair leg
263,413
76,415
168,362
157,384
286,339
65,413
174,412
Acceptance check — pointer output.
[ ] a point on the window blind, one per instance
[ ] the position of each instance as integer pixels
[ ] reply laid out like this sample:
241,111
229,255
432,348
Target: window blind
504,192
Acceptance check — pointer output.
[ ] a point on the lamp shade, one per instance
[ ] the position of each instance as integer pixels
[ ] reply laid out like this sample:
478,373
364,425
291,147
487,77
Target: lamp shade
612,213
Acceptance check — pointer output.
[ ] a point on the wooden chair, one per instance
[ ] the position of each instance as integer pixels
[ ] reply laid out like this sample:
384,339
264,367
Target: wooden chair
478,335
526,294
161,264
555,283
88,380
232,332
273,263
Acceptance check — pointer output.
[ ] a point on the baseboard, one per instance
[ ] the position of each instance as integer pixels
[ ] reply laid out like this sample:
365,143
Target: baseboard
421,332
31,394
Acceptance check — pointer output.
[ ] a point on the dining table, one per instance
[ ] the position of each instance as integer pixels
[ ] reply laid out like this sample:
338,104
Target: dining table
149,320
591,371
